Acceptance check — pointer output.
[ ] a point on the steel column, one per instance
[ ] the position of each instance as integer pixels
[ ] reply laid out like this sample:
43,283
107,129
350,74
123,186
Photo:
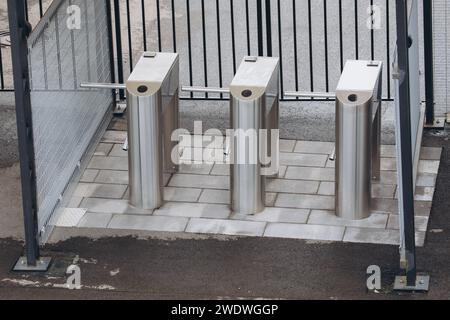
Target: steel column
20,29
406,168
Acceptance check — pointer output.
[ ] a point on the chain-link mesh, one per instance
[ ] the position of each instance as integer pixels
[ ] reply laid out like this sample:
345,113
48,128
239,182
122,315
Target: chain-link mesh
65,118
441,18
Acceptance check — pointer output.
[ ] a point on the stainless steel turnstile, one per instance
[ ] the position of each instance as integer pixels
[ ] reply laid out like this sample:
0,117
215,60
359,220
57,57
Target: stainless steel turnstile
358,135
152,106
153,116
254,107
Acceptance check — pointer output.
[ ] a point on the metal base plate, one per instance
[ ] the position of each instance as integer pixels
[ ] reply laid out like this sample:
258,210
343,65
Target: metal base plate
42,265
439,124
422,284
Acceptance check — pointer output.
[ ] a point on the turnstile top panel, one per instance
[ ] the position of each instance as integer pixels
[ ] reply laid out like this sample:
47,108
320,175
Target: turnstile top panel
360,76
254,74
150,72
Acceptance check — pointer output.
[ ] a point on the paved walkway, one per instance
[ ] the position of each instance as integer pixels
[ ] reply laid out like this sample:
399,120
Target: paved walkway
300,201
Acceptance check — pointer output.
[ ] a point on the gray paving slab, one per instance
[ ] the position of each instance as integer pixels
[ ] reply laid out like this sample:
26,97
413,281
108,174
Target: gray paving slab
303,231
149,223
320,217
194,210
228,227
95,220
299,201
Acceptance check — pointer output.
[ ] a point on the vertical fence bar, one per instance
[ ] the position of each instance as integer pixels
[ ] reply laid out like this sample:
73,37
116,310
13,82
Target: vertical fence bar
325,30
219,45
74,57
2,77
356,31
233,35
259,15
428,56
58,51
174,28
405,138
294,23
119,51
158,19
247,24
188,20
130,41
341,37
205,60
372,33
41,9
269,28
110,43
388,50
310,36
144,26
20,29
280,47
44,60
27,15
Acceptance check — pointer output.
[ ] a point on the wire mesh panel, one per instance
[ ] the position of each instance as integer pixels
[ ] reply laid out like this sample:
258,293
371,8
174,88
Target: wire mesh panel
441,18
70,45
34,11
414,74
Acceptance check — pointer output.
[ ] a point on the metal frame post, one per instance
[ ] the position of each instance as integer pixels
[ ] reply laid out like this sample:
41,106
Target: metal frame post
119,47
111,47
20,29
428,57
411,281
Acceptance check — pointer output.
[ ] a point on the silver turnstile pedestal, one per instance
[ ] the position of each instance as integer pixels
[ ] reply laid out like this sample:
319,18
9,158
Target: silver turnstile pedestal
152,107
254,107
358,132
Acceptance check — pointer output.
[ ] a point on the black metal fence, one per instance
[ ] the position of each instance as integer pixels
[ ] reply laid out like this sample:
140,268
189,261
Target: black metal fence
35,9
312,38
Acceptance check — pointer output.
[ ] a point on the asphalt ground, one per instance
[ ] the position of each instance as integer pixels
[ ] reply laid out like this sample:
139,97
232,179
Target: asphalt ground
251,268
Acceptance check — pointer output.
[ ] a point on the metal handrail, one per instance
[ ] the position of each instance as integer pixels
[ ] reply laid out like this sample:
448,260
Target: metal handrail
103,85
205,89
300,94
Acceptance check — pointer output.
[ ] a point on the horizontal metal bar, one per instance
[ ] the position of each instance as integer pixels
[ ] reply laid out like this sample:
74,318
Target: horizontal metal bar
299,94
286,94
205,89
103,85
